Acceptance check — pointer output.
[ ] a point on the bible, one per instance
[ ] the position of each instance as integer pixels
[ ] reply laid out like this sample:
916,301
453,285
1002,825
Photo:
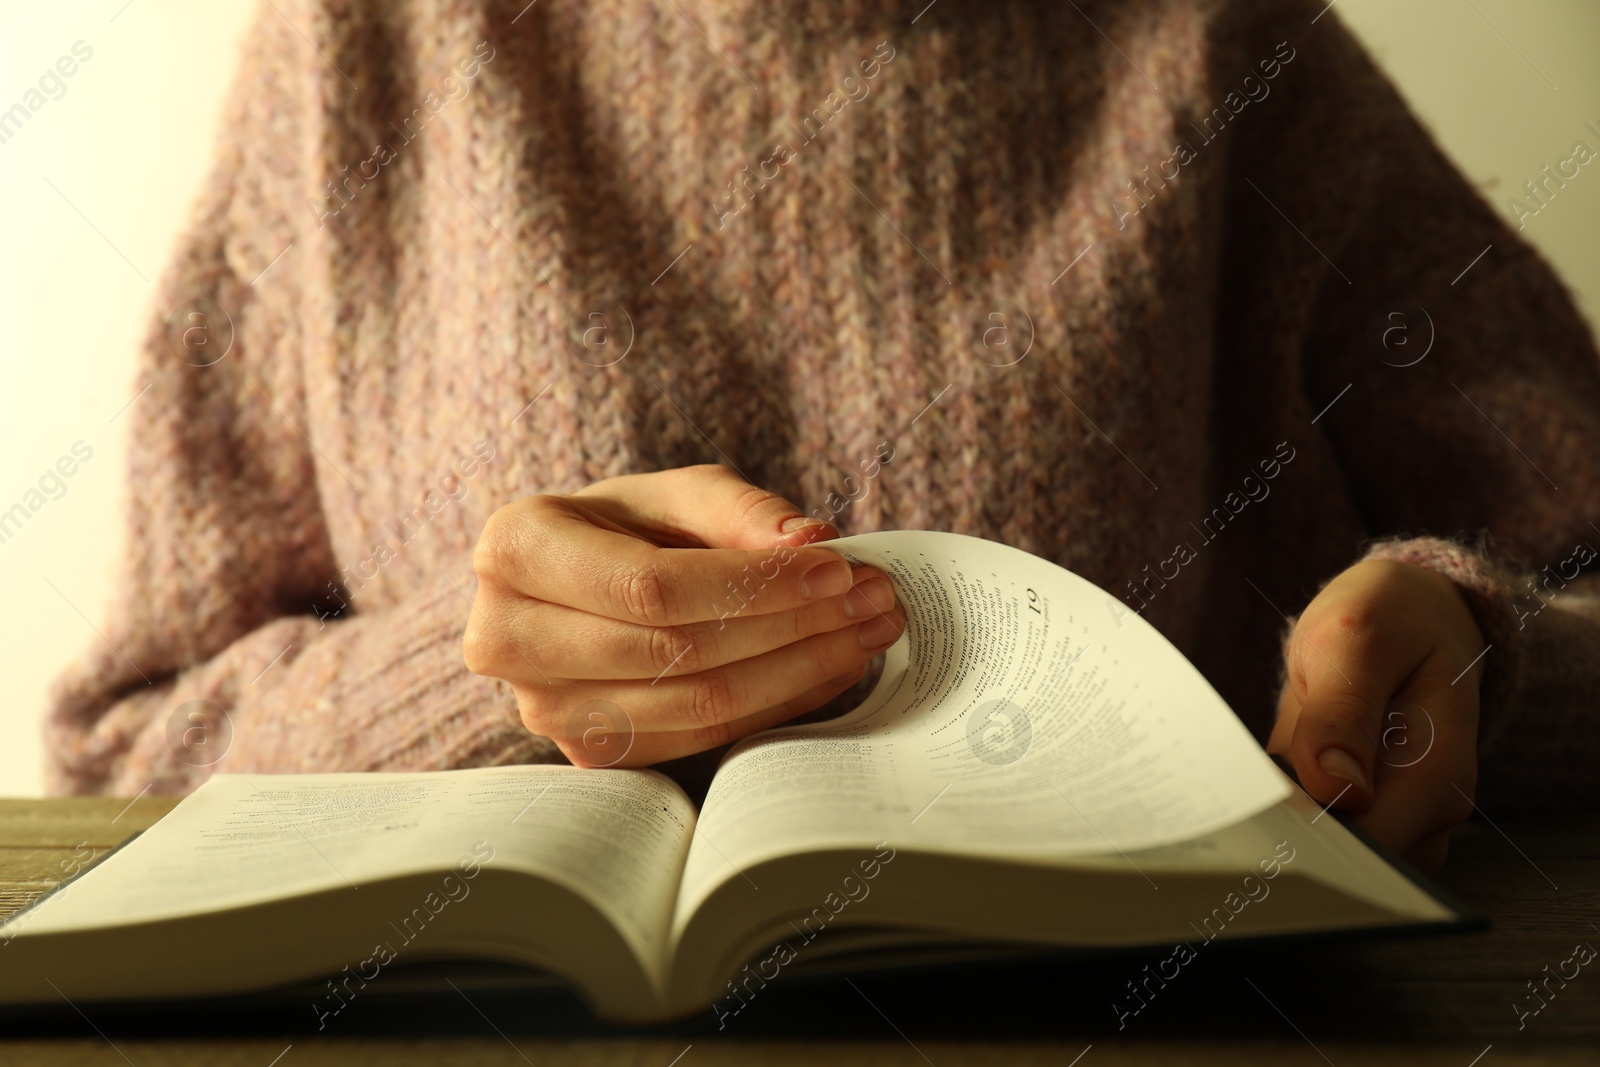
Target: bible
1036,770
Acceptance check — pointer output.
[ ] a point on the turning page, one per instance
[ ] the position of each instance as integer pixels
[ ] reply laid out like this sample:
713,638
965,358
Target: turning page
1025,713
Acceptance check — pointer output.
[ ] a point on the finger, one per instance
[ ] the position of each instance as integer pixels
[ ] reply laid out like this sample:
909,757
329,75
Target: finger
638,749
723,694
1410,812
566,644
1426,771
1283,726
548,548
1423,777
710,505
1343,668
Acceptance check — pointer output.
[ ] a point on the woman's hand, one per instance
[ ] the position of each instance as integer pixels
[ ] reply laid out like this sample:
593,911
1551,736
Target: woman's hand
1380,713
652,616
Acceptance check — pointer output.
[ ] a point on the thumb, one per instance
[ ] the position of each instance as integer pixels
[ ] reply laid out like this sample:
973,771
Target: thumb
716,506
1342,681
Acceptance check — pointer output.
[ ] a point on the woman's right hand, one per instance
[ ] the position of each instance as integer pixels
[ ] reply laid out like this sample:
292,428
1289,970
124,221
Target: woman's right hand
652,616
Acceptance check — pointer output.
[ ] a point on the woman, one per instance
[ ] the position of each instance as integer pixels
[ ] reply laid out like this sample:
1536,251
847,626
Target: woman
1174,293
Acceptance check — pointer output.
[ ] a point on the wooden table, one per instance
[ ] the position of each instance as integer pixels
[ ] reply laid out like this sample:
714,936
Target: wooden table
1421,1001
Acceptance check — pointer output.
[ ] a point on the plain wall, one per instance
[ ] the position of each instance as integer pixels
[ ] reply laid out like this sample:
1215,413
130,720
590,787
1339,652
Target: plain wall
95,186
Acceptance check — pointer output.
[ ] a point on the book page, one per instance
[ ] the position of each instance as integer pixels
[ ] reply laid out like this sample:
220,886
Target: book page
1024,713
618,838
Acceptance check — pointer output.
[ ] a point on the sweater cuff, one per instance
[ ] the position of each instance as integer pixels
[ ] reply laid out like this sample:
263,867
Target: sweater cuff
1487,587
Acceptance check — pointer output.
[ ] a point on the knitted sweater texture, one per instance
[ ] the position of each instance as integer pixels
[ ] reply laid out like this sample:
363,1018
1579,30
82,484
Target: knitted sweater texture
1116,285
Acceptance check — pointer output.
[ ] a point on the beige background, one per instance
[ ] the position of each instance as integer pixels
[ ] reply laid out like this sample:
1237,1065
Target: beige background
1505,84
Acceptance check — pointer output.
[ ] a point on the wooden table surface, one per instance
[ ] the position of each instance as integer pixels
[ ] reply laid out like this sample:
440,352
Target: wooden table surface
1421,1000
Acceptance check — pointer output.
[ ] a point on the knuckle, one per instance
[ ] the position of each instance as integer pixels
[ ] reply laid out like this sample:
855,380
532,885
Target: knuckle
1348,712
641,593
829,659
708,470
538,713
712,700
489,648
718,734
478,648
1353,622
800,624
484,646
489,555
503,541
673,648
752,500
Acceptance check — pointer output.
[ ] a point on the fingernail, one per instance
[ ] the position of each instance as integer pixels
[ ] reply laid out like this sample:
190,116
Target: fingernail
825,580
1340,764
876,633
872,597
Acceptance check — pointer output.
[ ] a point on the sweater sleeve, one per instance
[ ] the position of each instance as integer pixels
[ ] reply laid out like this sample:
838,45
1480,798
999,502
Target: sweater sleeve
1539,730
1473,447
214,655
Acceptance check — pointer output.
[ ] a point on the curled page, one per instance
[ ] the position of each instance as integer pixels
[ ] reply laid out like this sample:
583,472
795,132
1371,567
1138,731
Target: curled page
1025,713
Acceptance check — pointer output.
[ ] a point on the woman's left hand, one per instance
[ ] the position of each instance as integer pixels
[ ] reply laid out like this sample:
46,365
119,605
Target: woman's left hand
1379,715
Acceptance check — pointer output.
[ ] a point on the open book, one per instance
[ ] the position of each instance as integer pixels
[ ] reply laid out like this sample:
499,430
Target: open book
1037,766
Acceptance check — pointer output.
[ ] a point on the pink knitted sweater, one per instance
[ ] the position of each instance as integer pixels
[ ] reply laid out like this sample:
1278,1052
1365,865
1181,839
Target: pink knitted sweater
1119,285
